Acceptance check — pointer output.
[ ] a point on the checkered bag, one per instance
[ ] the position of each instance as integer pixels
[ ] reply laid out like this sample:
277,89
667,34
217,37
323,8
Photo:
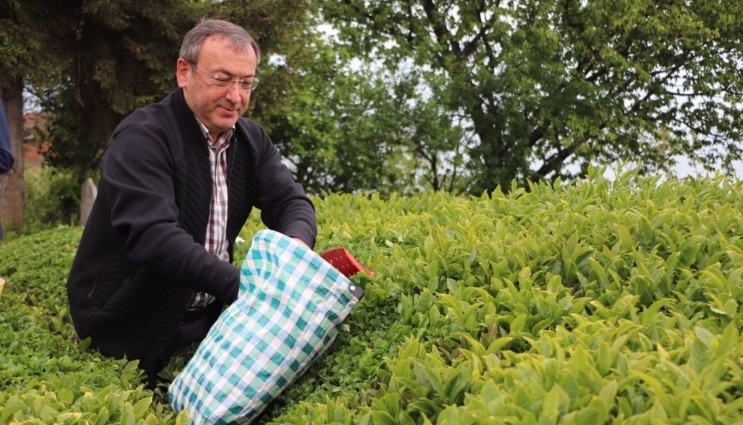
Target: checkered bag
291,301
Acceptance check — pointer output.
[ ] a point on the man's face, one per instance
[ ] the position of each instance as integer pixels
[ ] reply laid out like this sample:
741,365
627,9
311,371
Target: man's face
218,108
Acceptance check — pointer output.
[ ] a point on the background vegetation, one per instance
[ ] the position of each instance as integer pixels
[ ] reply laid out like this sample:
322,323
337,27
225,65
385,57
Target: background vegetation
603,301
401,96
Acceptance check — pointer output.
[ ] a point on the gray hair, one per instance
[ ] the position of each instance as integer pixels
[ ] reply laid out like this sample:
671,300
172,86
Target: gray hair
240,38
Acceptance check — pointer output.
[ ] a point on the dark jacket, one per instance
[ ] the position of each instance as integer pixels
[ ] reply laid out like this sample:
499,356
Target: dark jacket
6,155
142,252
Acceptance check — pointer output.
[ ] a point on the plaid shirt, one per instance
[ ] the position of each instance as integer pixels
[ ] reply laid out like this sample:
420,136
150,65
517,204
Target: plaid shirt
215,242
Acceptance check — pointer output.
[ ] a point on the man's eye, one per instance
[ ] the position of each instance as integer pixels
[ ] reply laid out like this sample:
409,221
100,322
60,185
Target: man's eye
221,80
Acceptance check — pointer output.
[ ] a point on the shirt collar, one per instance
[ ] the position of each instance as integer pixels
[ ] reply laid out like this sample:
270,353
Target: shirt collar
205,131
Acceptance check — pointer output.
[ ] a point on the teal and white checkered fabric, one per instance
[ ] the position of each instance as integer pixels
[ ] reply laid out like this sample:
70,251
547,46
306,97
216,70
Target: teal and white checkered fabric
291,301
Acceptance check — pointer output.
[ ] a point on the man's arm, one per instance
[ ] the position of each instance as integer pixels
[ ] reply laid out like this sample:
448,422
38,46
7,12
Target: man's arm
284,205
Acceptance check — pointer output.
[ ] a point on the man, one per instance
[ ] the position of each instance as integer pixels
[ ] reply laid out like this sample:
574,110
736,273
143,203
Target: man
6,155
178,180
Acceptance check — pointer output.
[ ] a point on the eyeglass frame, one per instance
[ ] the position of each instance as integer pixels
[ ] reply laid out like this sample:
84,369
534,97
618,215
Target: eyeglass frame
224,83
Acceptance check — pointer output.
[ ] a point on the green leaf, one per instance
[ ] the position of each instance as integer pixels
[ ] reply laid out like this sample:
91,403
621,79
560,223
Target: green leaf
425,406
127,415
10,409
605,358
382,418
142,406
182,418
646,232
690,251
449,416
427,374
550,409
65,396
649,315
517,324
704,336
609,392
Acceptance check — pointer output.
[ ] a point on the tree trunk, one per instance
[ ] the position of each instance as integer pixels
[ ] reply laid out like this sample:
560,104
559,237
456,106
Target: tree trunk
12,186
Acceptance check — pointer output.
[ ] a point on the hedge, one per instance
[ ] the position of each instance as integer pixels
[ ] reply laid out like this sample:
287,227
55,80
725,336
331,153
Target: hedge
607,301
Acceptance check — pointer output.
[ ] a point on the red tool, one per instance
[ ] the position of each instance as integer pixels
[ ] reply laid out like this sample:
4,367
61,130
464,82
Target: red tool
342,260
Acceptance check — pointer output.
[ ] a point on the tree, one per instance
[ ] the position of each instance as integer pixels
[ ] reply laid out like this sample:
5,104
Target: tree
551,86
26,55
91,62
316,110
117,65
349,126
114,64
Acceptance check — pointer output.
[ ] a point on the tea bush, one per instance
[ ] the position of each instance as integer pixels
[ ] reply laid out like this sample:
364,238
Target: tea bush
598,302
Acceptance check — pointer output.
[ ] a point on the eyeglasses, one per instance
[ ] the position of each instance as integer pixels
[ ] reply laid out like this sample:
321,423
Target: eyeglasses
225,81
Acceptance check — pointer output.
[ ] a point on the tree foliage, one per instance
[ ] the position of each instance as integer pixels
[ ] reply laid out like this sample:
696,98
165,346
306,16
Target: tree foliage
411,91
550,86
331,122
347,125
91,62
119,55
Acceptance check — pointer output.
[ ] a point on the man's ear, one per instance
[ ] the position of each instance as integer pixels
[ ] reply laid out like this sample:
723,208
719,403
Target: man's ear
183,72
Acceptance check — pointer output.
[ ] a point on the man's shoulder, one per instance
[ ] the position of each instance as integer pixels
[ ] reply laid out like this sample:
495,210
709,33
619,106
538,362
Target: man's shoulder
168,106
248,125
167,115
251,132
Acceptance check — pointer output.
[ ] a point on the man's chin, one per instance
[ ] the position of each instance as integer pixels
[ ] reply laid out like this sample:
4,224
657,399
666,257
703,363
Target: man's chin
226,124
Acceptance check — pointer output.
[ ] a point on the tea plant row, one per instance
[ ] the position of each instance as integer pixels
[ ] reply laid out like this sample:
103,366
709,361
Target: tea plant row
606,301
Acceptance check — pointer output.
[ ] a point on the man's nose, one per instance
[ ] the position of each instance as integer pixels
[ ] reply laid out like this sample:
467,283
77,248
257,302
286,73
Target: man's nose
234,94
